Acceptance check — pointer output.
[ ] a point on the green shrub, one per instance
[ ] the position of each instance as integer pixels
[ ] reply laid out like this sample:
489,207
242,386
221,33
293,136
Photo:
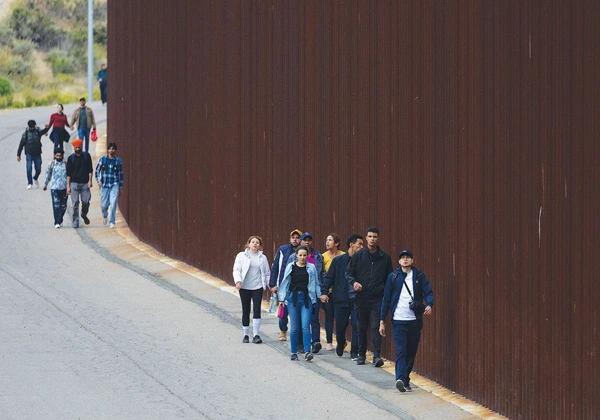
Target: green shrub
60,62
5,88
23,48
6,101
18,104
15,67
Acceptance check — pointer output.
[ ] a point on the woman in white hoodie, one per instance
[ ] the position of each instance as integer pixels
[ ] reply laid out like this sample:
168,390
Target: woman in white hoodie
251,274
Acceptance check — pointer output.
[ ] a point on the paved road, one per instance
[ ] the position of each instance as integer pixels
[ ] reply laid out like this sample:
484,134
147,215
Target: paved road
92,327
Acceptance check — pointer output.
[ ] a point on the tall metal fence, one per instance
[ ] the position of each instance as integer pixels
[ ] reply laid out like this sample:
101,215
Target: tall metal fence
466,131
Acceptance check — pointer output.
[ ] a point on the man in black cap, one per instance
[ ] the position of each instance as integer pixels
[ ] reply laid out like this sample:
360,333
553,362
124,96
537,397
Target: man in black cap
366,273
406,286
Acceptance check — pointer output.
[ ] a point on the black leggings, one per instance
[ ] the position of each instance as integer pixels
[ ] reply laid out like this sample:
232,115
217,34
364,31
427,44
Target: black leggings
256,297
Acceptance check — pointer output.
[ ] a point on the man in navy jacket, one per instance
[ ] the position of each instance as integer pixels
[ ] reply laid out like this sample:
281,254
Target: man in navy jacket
278,269
403,286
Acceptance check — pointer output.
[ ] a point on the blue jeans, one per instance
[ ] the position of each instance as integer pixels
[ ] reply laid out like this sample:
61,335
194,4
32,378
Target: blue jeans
37,162
109,197
407,335
299,315
59,205
84,134
315,326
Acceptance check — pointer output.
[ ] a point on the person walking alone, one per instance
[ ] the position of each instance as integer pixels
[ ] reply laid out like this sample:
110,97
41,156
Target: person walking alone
103,81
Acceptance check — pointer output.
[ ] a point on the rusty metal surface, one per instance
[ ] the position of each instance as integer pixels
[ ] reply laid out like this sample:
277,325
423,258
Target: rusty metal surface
465,130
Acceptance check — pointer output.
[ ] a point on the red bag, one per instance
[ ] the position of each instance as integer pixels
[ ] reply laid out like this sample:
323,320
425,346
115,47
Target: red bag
94,135
280,311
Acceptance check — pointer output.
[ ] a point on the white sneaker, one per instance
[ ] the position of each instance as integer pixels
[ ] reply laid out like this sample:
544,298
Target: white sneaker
29,186
112,225
56,226
104,220
36,183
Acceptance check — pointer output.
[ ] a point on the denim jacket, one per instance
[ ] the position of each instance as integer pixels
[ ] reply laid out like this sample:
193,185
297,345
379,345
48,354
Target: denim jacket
319,265
314,287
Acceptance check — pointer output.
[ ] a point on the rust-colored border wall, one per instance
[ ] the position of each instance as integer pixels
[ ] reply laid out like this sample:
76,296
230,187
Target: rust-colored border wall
465,130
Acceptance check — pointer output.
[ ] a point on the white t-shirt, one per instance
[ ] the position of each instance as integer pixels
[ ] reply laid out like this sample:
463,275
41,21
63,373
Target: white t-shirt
403,312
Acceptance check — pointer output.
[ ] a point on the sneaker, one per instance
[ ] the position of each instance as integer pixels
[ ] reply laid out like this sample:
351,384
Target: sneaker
360,361
246,339
377,362
36,183
104,220
256,339
339,349
308,357
282,335
407,388
400,386
85,219
353,355
294,357
56,226
329,347
29,186
112,225
316,347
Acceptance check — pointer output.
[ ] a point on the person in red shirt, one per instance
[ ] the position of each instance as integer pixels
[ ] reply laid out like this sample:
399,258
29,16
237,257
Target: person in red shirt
59,121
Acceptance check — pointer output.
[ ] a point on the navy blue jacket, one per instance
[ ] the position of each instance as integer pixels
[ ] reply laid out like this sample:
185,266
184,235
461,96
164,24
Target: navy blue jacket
279,263
342,293
393,288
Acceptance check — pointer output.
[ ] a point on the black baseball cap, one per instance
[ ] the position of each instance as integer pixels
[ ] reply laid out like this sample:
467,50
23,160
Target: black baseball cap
405,252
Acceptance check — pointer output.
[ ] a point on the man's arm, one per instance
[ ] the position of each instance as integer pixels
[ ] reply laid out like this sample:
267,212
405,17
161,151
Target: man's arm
274,271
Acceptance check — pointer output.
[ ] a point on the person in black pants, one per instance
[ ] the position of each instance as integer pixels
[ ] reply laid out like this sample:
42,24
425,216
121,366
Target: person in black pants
367,273
342,296
403,286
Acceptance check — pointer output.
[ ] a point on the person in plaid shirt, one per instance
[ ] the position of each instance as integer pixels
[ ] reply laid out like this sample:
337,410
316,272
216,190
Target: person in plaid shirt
109,177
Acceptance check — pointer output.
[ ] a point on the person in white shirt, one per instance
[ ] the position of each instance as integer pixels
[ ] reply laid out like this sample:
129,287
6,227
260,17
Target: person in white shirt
250,274
405,289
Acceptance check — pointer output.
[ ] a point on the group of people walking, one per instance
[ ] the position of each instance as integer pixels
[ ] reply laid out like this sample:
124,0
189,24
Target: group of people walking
359,287
73,177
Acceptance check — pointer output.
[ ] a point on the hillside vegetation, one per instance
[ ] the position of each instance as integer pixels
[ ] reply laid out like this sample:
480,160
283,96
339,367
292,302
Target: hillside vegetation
43,51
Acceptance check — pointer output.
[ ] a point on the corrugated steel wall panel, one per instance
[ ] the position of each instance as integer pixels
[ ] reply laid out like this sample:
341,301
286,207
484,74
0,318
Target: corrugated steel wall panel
465,129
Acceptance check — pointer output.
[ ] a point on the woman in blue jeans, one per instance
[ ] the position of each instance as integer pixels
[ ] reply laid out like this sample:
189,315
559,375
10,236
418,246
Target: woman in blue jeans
299,289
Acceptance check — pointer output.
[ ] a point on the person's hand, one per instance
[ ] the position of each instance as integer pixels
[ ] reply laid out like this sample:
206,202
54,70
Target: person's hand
44,188
427,310
68,190
18,158
324,298
274,289
99,183
90,185
382,329
357,286
238,285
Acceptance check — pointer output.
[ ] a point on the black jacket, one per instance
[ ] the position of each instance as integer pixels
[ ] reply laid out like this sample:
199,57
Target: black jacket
372,275
342,292
31,140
